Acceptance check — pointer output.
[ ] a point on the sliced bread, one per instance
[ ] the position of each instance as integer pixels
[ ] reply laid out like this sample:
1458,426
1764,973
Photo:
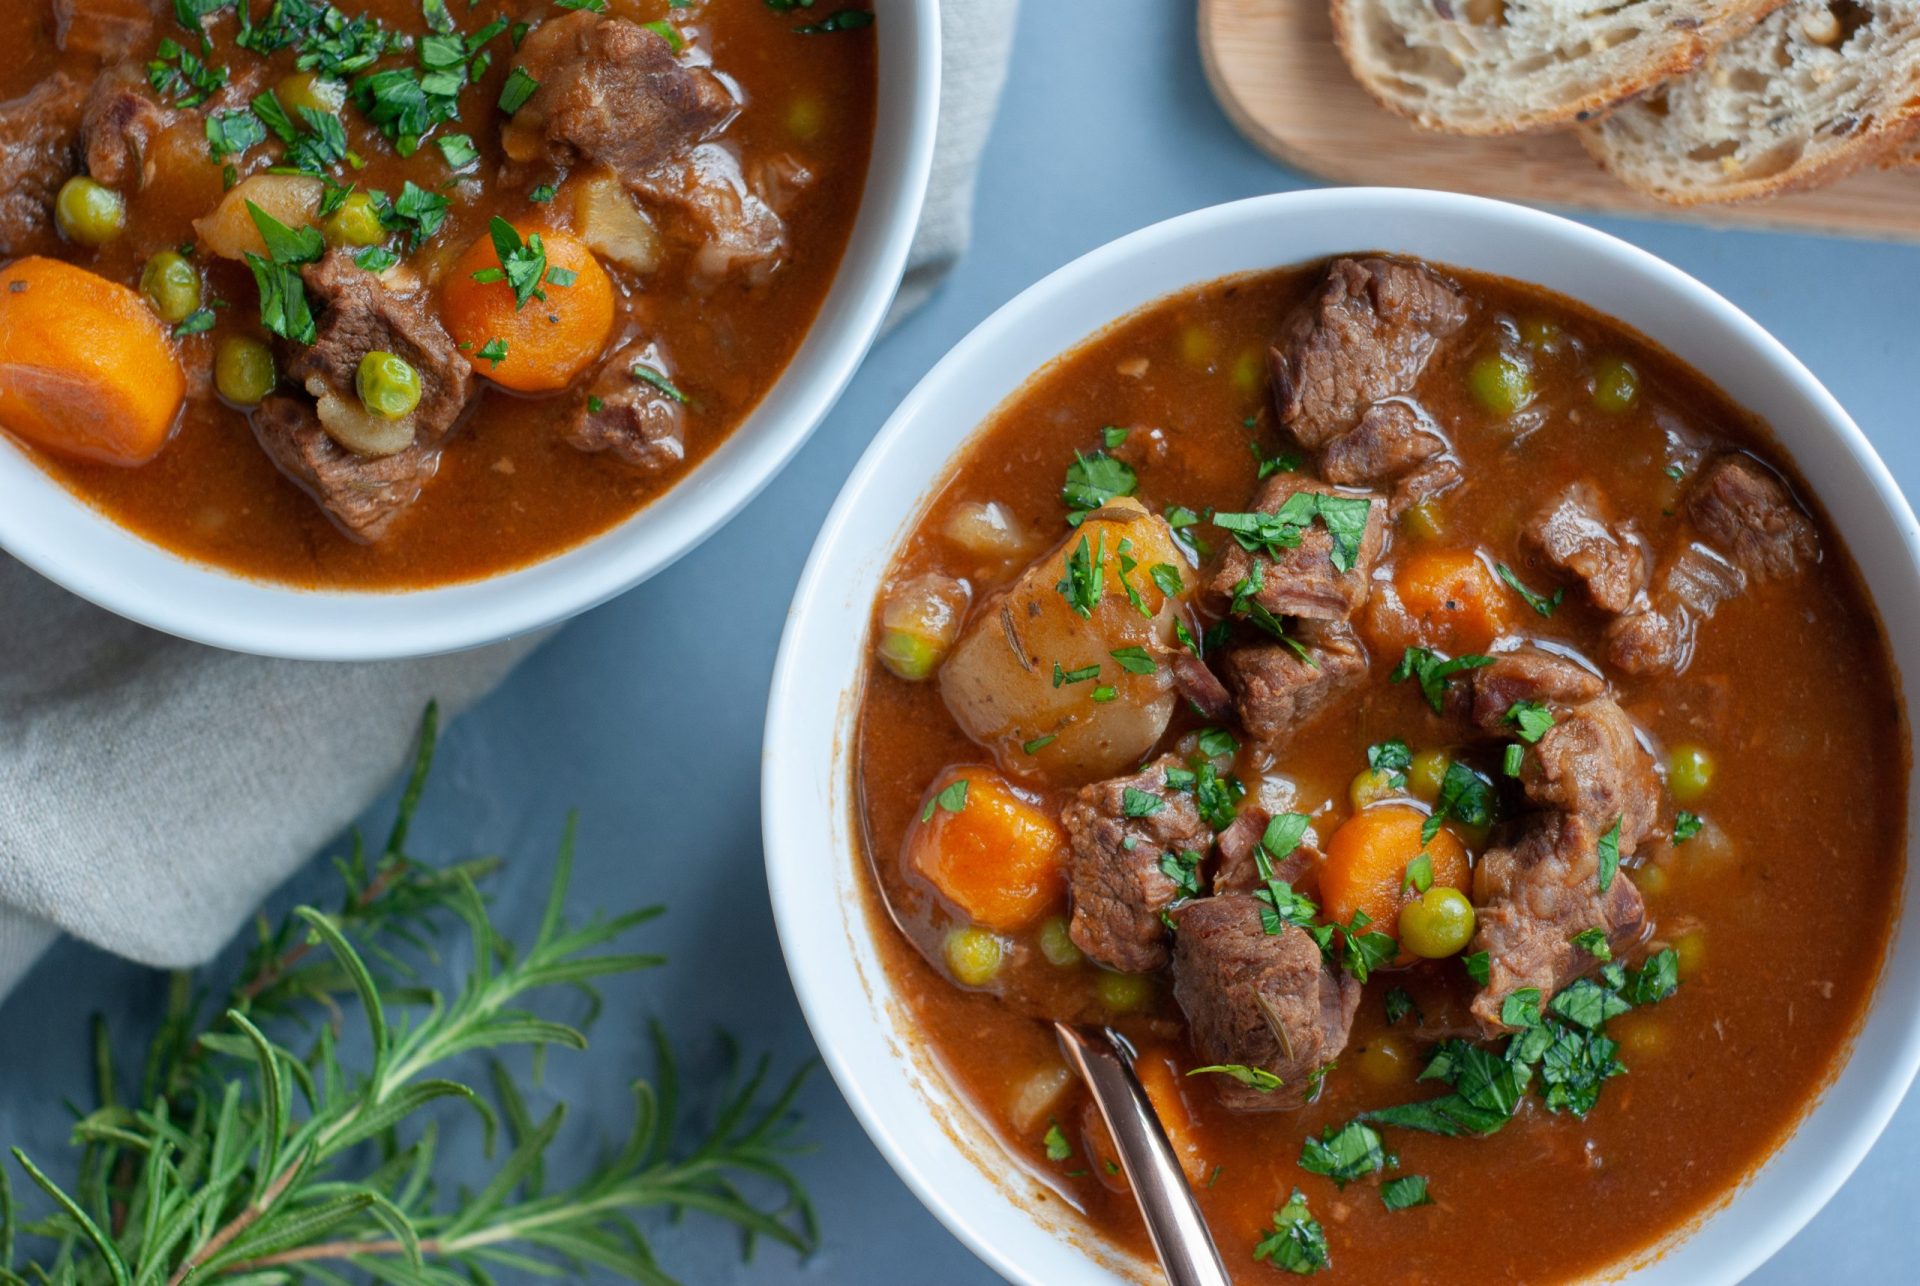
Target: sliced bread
1511,66
1817,90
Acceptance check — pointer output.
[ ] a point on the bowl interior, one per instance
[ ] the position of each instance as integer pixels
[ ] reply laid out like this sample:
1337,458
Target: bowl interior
65,540
930,1136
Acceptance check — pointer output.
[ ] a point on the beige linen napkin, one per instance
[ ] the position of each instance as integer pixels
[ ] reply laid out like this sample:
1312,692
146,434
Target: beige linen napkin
153,791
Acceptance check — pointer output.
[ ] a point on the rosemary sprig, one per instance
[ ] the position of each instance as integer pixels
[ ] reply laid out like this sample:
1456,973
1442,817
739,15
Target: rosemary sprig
244,1161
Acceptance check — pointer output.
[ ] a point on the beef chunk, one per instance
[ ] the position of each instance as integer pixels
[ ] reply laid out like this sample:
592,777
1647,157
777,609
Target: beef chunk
1536,896
362,494
1239,869
612,93
1113,865
1428,482
104,29
1575,534
1200,686
38,132
1745,512
1303,581
1484,696
1277,690
1589,764
639,422
359,315
1258,999
732,221
117,132
1391,438
1364,337
1656,637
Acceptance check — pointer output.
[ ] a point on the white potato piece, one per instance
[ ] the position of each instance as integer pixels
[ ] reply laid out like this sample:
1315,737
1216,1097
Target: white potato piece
230,232
999,679
613,226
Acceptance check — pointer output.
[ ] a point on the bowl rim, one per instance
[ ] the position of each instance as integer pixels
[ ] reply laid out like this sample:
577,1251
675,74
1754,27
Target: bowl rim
65,539
796,813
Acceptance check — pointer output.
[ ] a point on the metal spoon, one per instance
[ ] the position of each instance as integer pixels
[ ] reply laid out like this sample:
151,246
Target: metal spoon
1179,1233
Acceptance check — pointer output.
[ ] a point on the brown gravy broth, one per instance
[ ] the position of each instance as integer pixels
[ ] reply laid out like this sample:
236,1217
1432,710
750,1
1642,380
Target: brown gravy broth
508,491
1787,912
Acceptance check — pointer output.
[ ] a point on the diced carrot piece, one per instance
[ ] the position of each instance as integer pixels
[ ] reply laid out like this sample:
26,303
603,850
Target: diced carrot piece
1366,866
997,857
1454,597
1162,1082
548,341
86,369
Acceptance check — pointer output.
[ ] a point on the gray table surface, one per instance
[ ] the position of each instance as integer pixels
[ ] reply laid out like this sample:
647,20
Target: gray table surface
646,714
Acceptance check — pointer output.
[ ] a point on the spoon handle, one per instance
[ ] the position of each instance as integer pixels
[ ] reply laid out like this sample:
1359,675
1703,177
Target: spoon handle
1179,1233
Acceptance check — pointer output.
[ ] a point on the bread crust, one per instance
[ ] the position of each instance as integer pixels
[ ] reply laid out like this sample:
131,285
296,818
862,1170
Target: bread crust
1680,52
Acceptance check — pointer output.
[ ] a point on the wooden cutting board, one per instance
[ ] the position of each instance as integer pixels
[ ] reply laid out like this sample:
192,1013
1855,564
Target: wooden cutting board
1276,71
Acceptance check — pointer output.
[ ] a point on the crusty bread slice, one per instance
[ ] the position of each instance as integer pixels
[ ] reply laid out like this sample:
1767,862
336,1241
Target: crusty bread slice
1817,90
1511,66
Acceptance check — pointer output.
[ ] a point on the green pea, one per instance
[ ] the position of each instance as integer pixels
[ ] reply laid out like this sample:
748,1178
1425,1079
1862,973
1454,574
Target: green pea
1616,385
355,223
171,286
974,956
388,387
243,370
1123,992
89,213
1437,924
315,93
1056,944
1426,772
912,656
1501,383
1689,772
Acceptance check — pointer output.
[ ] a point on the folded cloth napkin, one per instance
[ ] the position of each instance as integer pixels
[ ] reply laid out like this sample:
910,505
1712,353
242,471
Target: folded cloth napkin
153,791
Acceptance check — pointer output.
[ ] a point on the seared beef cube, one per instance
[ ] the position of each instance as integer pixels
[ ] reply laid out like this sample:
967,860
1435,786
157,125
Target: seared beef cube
638,421
1303,580
1657,636
1239,868
1118,831
1364,337
1484,696
122,120
359,315
1200,686
1261,1000
102,29
1589,764
38,133
1391,438
1278,690
1429,482
730,218
1576,535
362,494
1536,897
612,93
1746,513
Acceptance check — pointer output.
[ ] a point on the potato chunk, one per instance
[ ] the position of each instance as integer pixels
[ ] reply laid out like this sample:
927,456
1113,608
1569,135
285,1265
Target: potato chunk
1035,677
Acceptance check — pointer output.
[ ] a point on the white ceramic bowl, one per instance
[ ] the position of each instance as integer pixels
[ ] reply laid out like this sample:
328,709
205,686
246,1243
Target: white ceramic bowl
44,526
926,1132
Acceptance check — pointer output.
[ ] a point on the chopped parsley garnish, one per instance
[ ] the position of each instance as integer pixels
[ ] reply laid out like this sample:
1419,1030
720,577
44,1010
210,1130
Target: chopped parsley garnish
1254,1078
1134,660
1532,718
1405,1192
1418,877
1038,744
494,350
1182,521
1521,1007
1540,603
1399,1004
1675,472
1104,694
595,405
952,798
458,149
1215,743
233,132
523,264
1183,870
1127,563
1609,855
1058,1149
1297,1242
1093,480
1278,462
597,6
377,259
1478,965
1344,517
1392,757
416,211
1113,437
1081,585
196,322
1594,942
1351,1152
519,88
1140,803
1431,672
283,296
1365,951
1655,980
1215,797
843,20
542,194
1516,755
641,371
1166,577
183,74
1465,795
1685,826
1080,675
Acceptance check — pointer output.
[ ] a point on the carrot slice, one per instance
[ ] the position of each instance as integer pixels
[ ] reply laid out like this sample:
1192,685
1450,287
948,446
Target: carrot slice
86,369
997,857
1367,859
1454,597
541,344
